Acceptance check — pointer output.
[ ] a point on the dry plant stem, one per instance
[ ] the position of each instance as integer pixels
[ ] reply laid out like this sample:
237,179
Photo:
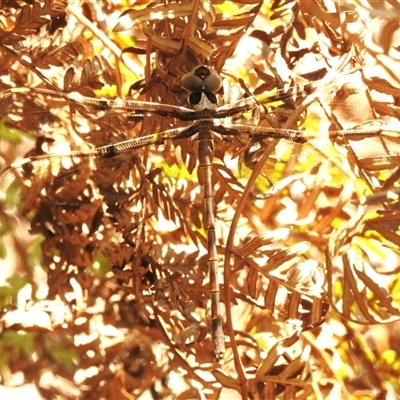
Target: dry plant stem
29,66
354,38
311,98
21,250
358,347
191,25
329,276
314,96
310,338
106,41
228,252
180,360
239,209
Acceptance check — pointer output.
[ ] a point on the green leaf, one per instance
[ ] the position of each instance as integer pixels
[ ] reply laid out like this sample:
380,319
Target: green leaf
21,343
9,134
35,251
9,292
12,196
4,228
62,355
3,250
100,266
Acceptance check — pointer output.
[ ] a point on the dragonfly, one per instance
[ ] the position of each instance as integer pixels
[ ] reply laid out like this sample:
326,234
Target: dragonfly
204,120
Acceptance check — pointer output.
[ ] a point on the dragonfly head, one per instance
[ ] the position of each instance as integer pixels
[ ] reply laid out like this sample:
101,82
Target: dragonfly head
202,82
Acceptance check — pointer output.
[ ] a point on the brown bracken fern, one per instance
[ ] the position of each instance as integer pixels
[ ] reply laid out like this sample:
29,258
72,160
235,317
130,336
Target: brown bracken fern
105,285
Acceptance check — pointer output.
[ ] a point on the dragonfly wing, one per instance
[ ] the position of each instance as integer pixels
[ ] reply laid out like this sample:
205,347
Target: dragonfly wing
357,154
106,191
62,178
70,179
343,99
70,116
328,117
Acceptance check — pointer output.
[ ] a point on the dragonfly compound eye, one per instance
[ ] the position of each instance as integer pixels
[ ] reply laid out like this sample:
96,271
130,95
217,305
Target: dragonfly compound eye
191,82
201,78
213,82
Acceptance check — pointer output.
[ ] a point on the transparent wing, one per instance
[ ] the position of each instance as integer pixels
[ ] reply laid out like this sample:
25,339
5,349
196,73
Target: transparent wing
85,122
338,123
65,178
